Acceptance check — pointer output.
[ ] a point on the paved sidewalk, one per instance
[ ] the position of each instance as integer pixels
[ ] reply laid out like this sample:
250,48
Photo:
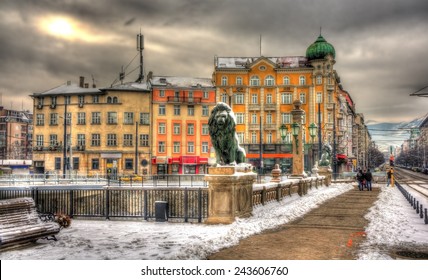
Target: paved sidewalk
332,231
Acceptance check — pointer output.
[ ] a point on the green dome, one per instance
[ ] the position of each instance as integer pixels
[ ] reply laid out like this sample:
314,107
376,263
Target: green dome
319,49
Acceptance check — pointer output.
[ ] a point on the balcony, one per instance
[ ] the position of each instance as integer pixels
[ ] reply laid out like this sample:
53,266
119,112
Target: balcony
330,87
255,126
184,99
270,107
254,107
270,126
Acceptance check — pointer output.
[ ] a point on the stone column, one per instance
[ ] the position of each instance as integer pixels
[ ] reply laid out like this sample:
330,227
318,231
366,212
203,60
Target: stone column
230,193
327,172
298,152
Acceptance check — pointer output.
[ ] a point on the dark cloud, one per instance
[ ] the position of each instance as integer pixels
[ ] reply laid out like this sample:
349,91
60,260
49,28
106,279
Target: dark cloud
380,44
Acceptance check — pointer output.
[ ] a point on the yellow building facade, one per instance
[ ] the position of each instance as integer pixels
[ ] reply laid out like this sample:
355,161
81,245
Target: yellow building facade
106,130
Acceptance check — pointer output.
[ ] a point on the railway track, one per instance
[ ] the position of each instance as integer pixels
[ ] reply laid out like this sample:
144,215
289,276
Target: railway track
414,180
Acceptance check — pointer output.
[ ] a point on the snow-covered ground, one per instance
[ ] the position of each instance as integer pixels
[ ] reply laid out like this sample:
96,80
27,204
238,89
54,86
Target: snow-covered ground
392,223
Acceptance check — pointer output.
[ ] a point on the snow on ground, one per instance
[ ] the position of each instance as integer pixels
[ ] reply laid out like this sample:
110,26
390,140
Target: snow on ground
392,222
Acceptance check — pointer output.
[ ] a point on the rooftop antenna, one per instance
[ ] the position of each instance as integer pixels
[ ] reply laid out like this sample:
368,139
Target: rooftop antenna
122,75
140,48
260,44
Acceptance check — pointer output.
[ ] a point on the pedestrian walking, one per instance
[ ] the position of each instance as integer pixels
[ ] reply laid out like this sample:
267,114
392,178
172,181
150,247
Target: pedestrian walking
368,177
388,176
360,180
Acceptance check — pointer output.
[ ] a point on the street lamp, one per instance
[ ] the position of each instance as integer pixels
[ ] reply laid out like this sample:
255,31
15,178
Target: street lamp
312,132
295,128
283,130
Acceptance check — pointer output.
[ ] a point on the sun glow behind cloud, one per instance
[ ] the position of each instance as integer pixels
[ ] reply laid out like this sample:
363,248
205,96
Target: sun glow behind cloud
69,29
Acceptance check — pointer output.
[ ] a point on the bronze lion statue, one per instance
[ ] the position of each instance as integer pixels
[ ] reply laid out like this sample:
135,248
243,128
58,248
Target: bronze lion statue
222,125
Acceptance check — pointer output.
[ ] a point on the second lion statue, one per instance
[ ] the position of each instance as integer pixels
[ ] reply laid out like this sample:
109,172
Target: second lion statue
222,129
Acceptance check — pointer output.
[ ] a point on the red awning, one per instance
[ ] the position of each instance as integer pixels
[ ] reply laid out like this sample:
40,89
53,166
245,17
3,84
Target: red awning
203,160
341,156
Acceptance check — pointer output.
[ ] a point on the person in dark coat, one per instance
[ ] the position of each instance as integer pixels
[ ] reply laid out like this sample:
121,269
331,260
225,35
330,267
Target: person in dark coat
360,179
368,177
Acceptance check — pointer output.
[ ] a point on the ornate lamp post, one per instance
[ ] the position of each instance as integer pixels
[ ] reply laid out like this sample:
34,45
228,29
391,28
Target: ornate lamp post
295,128
283,130
312,132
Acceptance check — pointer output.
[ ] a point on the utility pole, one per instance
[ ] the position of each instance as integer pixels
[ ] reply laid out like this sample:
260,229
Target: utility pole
319,131
136,148
334,143
261,146
140,48
65,143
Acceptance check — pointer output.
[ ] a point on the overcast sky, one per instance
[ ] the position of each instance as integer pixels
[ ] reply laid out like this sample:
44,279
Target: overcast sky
381,45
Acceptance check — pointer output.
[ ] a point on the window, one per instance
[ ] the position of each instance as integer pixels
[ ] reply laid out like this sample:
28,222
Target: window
204,147
269,81
205,129
254,98
81,140
269,137
176,147
190,129
68,119
53,139
54,119
206,95
286,98
205,110
144,140
144,118
161,147
224,81
239,98
95,140
286,118
115,100
40,101
286,80
53,101
177,129
303,98
95,99
161,93
40,119
162,110
240,118
254,81
129,163
57,163
76,163
241,137
190,110
319,79
302,80
269,118
190,96
319,97
329,118
253,138
81,99
81,118
40,140
177,110
162,128
96,118
239,81
127,140
224,98
67,99
303,119
190,147
111,140
109,99
330,98
112,118
128,118
269,98
254,118
95,163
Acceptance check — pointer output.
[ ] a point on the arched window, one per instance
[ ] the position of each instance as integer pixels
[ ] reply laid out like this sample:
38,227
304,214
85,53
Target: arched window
319,79
269,137
239,81
302,80
224,98
115,100
109,99
254,81
269,81
286,80
224,81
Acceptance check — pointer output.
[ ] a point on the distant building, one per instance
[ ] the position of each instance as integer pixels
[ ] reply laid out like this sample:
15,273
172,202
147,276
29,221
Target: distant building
16,136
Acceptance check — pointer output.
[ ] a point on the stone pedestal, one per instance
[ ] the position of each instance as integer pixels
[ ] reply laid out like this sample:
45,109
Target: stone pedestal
327,172
230,193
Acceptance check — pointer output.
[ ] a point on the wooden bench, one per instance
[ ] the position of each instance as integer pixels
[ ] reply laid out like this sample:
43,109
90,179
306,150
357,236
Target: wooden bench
20,223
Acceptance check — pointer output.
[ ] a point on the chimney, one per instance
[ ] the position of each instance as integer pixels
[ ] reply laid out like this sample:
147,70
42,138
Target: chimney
81,81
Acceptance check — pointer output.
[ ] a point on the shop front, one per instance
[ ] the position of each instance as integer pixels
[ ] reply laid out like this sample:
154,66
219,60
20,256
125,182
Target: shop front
180,165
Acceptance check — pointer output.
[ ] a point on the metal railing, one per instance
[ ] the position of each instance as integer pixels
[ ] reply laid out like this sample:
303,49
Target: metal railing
414,203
